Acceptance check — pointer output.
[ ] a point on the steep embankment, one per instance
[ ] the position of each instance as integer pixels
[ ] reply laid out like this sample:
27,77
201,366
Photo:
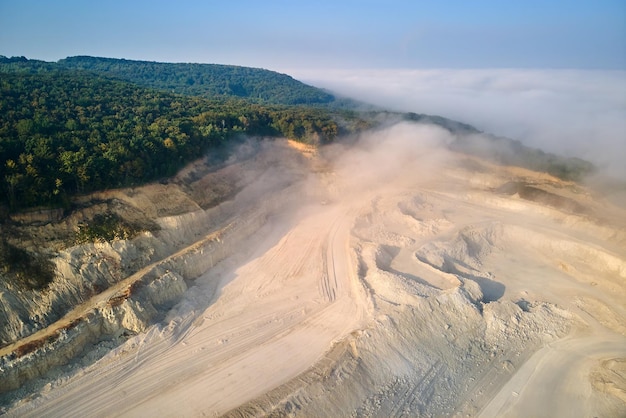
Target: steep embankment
110,291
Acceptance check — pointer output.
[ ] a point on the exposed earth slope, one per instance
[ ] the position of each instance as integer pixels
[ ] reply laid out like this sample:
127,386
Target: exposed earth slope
394,279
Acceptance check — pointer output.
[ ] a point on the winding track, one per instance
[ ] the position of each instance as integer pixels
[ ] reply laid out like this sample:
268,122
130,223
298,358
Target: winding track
550,377
275,317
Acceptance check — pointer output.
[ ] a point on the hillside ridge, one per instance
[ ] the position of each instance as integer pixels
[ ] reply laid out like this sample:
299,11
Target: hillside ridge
190,79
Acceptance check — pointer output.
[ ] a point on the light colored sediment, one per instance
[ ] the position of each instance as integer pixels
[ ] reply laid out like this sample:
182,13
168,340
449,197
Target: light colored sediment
403,283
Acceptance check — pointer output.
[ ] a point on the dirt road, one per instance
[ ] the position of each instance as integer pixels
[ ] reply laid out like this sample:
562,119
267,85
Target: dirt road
416,289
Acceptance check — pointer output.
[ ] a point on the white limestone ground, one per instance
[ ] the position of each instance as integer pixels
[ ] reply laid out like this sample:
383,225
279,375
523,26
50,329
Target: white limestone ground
395,279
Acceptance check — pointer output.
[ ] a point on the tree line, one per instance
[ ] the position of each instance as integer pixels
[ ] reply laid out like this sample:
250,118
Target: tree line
67,131
202,80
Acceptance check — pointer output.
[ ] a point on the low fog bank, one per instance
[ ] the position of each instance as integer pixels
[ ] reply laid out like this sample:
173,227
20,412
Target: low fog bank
386,155
573,113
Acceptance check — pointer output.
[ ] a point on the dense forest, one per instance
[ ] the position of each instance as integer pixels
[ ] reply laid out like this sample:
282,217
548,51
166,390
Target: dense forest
202,80
206,80
68,131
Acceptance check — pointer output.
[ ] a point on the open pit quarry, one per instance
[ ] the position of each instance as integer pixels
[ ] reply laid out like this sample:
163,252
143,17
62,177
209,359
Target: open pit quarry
386,278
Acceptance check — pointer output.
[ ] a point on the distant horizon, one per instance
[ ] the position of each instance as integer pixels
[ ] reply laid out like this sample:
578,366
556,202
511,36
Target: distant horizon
299,69
326,34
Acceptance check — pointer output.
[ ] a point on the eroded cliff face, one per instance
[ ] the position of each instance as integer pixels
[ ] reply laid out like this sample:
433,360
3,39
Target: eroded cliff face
112,290
123,315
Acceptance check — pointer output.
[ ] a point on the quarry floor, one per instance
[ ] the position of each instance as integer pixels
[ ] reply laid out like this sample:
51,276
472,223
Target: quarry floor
393,280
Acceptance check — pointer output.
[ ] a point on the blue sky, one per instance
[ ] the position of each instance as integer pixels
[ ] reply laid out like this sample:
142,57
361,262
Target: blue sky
323,33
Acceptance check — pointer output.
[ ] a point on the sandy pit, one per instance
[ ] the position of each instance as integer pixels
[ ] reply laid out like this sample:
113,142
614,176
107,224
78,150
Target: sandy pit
390,279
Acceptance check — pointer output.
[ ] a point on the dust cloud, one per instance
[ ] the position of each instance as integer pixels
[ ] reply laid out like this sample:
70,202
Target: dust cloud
400,149
577,113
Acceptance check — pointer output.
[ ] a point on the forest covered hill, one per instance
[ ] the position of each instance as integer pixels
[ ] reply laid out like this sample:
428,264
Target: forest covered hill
66,131
202,80
84,124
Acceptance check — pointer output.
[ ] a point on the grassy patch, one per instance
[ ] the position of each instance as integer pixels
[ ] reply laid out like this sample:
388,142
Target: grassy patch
106,228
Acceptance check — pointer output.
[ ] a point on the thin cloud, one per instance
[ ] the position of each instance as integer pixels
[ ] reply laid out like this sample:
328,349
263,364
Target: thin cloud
570,112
